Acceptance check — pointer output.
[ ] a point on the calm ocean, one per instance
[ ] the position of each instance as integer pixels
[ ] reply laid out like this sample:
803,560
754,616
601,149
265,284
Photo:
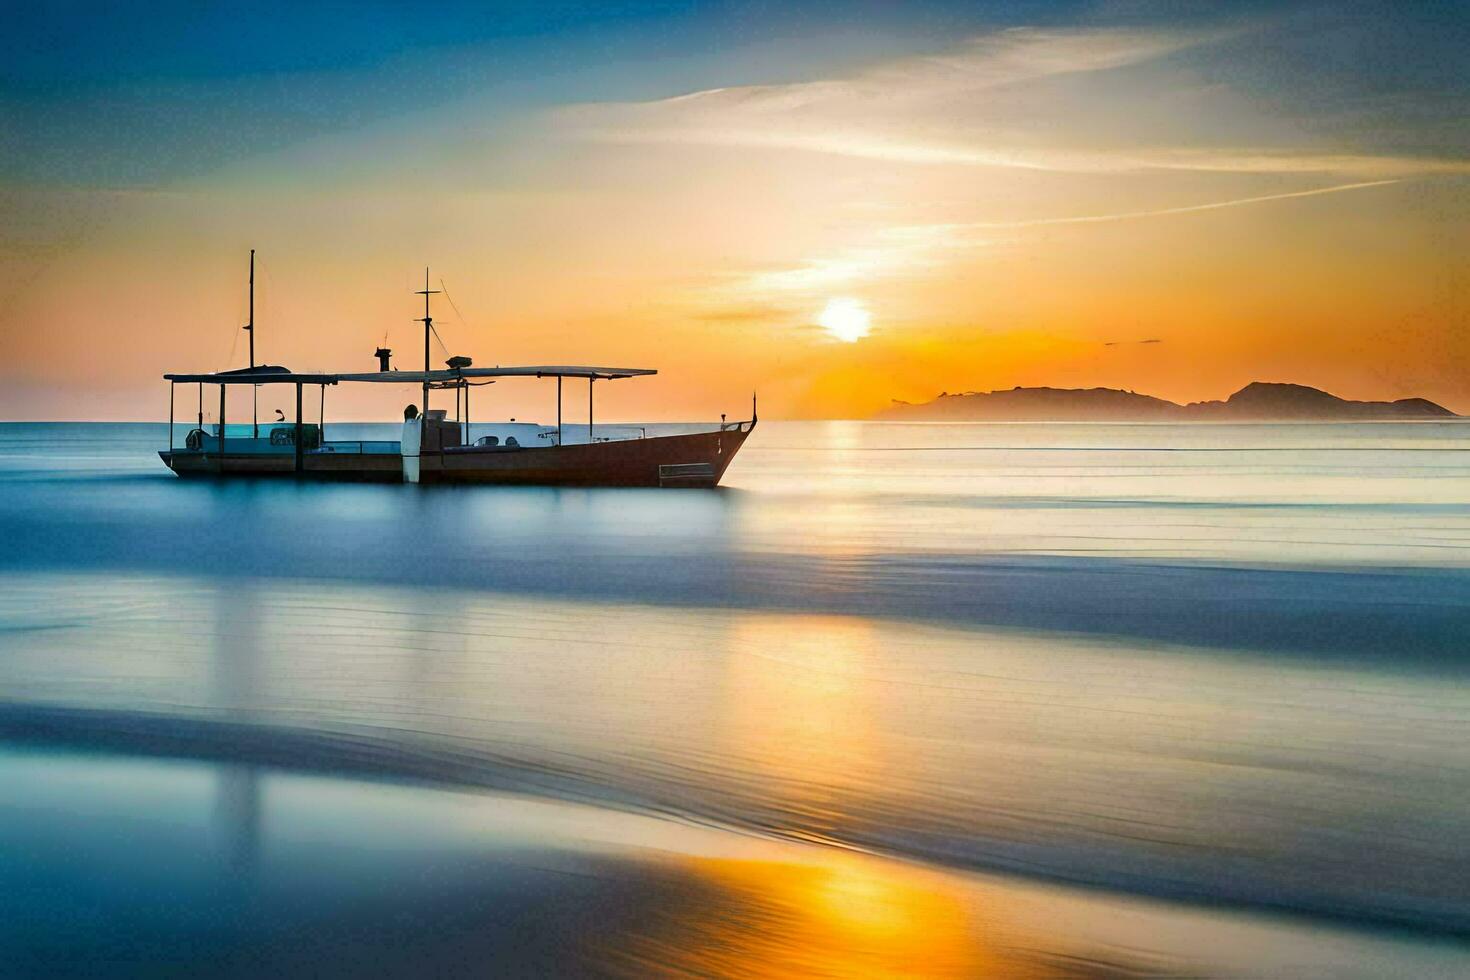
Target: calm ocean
1227,663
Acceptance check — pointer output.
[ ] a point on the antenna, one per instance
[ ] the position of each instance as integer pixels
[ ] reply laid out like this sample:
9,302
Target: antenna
251,325
254,389
428,322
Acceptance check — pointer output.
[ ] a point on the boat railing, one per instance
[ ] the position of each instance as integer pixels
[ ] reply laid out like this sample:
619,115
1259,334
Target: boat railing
625,436
745,426
576,435
246,439
366,447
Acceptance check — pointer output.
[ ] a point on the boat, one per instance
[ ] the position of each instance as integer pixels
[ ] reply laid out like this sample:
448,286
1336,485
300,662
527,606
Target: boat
436,449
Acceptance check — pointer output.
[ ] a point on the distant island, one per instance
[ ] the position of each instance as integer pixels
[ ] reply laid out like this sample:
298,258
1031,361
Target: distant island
1257,402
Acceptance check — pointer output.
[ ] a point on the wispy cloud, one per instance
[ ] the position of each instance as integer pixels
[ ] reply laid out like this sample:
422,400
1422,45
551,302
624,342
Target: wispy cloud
908,249
1182,209
944,110
874,113
987,62
905,249
1242,161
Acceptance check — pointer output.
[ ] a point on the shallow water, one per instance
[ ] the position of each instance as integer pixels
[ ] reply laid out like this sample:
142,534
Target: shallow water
160,867
1222,663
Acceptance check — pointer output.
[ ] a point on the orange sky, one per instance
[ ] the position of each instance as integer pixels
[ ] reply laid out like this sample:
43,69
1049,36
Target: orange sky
1019,208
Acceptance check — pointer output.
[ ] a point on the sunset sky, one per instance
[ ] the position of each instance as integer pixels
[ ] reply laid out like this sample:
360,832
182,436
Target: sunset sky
834,204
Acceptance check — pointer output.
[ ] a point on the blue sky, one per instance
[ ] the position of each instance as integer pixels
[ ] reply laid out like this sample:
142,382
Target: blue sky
100,93
118,94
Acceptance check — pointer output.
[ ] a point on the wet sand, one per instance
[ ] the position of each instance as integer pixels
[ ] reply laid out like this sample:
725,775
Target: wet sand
151,866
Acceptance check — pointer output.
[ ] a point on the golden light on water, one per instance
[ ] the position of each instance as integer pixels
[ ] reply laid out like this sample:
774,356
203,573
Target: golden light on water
845,319
843,916
799,709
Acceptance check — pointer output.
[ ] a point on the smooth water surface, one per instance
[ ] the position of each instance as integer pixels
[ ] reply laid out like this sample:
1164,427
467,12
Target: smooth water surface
1216,662
178,867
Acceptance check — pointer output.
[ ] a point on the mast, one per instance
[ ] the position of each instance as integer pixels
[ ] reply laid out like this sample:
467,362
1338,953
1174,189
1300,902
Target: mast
428,322
254,389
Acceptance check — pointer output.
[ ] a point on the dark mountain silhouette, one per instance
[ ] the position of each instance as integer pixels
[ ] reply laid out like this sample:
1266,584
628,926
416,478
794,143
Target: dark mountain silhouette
1258,401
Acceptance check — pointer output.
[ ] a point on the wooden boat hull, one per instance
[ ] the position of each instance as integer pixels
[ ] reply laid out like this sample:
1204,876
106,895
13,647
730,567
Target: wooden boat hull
696,460
368,468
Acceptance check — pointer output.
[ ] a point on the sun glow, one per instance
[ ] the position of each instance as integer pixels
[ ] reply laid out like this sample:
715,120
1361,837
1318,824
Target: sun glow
846,319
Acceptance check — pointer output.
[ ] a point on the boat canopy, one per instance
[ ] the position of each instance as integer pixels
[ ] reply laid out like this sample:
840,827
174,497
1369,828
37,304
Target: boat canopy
535,371
274,375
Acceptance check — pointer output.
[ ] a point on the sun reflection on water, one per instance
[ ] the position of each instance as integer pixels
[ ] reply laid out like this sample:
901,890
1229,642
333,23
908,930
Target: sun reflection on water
800,707
843,916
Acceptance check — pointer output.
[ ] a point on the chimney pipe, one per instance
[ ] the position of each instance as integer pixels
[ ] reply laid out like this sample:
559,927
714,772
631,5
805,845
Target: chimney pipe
383,354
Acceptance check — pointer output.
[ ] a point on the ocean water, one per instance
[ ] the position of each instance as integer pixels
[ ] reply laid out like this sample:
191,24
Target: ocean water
1226,664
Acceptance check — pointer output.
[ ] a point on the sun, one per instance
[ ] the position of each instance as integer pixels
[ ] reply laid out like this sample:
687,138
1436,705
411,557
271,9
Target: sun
846,319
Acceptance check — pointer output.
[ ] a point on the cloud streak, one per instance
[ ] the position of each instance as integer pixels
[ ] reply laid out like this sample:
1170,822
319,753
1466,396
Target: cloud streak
912,248
960,109
905,249
1183,209
878,114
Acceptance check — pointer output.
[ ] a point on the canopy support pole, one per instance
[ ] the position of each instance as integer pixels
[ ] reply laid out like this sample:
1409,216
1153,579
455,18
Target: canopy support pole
558,410
590,383
222,388
170,416
200,426
299,447
466,439
321,417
